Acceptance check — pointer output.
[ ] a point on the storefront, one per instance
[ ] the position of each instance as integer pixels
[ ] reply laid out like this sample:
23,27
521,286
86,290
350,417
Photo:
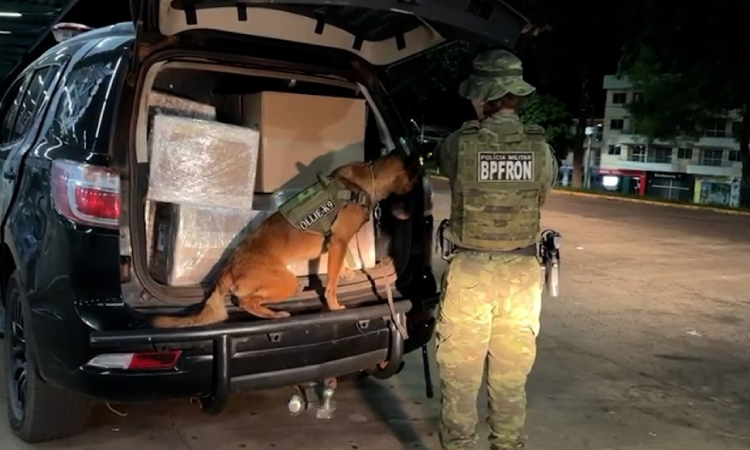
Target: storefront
670,186
631,182
723,191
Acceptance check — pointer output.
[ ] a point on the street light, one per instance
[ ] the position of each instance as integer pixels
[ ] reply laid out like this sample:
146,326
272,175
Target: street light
587,159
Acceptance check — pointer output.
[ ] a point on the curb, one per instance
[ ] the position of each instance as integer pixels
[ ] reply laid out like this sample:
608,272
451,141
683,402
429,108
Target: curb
731,212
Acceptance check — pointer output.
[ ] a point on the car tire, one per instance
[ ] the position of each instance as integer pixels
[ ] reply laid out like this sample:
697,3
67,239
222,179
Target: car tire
37,410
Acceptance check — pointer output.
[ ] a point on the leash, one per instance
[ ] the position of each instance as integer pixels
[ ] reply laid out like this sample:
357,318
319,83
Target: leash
377,213
400,326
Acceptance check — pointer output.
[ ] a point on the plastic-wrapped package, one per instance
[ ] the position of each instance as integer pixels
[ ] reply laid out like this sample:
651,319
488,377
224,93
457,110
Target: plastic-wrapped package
198,162
171,105
193,242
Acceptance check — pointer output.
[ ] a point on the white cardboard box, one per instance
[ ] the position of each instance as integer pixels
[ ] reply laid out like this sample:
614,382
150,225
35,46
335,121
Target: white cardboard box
302,135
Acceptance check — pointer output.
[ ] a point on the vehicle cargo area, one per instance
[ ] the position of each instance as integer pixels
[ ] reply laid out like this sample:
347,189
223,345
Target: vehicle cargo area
220,149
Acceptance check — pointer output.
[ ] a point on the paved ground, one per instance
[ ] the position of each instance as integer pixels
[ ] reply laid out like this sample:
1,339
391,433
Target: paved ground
647,348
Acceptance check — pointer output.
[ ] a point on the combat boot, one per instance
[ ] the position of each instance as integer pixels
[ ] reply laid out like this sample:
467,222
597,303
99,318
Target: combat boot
507,447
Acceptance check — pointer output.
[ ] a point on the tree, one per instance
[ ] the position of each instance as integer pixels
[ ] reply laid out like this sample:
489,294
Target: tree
550,113
685,62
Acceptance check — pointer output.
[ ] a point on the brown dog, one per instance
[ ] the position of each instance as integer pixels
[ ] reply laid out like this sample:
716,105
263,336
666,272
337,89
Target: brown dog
257,273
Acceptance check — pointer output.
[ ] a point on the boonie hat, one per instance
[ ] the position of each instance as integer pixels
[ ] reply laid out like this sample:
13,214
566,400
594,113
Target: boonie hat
495,74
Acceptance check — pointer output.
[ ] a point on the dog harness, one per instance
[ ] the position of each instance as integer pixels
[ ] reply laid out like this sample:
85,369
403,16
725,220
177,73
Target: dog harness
316,208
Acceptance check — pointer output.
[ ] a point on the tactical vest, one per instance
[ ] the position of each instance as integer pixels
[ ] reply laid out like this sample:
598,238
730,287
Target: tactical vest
498,186
315,209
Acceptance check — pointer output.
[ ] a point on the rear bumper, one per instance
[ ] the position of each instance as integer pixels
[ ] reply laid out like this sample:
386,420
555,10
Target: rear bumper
250,355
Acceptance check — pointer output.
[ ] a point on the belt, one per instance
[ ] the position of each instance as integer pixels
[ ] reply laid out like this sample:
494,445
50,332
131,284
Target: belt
531,250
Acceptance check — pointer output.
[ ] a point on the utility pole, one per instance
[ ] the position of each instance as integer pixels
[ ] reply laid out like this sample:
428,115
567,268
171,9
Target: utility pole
587,159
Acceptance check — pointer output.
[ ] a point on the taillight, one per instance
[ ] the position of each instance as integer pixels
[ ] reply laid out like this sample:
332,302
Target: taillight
137,361
428,194
86,194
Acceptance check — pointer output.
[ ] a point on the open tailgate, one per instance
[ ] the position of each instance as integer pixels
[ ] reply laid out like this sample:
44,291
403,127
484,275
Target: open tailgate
382,32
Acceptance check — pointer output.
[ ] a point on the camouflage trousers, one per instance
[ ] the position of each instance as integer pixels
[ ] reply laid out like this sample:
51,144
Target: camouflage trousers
489,316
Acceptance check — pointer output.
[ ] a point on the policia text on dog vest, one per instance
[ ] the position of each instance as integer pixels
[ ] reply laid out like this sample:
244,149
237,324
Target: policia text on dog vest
315,209
498,185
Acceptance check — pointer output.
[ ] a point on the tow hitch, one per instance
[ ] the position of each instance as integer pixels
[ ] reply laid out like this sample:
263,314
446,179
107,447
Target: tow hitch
315,395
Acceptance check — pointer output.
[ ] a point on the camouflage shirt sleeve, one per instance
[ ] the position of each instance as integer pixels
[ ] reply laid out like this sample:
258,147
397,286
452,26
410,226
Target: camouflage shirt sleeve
551,172
447,155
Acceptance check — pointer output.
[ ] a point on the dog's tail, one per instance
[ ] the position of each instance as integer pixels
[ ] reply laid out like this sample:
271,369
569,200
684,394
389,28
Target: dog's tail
214,310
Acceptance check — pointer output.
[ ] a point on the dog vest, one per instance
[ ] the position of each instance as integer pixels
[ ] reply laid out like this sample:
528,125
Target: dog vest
315,209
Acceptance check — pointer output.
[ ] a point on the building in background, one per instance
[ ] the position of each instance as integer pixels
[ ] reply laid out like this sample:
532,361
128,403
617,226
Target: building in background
704,171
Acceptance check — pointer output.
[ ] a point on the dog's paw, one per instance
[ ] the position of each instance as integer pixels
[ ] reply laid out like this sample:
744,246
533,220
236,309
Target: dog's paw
280,315
336,307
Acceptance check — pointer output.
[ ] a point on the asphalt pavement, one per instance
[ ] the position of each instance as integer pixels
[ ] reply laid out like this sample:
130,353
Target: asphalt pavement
646,348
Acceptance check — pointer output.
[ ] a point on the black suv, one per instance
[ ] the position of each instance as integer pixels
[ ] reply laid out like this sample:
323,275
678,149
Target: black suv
76,233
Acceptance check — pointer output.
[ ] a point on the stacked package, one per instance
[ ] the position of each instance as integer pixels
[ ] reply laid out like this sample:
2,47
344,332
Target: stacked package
203,179
201,183
303,135
193,241
170,105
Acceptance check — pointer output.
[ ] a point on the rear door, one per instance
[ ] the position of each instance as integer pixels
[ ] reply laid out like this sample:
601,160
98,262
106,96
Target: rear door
382,32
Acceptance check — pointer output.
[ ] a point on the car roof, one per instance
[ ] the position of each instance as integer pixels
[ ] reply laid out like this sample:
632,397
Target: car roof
119,29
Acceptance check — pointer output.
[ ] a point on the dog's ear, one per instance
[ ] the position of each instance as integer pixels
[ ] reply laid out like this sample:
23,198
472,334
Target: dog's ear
393,152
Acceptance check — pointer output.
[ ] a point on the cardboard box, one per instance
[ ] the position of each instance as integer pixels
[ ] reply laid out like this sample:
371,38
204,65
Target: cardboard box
302,135
192,243
199,162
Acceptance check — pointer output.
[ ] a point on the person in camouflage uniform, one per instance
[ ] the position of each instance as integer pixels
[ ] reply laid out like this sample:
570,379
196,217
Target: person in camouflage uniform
500,172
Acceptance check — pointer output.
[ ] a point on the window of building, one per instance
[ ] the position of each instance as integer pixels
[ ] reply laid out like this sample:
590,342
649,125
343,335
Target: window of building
619,98
614,150
685,153
670,189
637,97
616,124
662,155
734,155
597,157
716,128
712,157
638,153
